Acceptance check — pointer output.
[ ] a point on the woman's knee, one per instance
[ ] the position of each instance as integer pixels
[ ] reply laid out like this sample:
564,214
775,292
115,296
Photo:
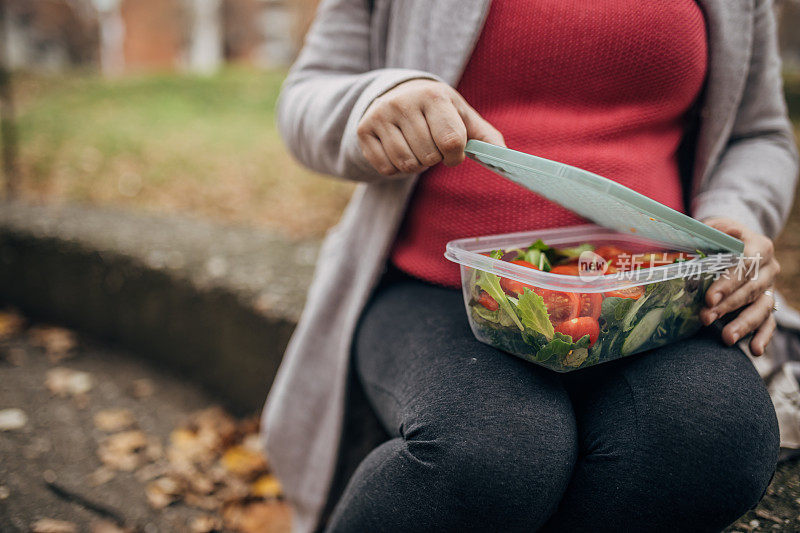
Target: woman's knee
709,433
508,475
512,476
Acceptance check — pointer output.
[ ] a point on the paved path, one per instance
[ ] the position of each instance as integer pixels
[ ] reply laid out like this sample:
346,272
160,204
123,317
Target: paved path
49,466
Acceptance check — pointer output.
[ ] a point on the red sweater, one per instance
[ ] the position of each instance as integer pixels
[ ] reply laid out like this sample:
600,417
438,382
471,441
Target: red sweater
600,85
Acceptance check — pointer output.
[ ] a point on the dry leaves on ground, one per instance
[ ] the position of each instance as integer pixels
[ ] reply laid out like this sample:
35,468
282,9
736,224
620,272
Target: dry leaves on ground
65,382
58,343
11,323
258,517
128,450
213,463
12,419
111,420
51,525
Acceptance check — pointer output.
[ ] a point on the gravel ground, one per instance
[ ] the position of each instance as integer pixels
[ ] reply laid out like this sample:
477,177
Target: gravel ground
50,467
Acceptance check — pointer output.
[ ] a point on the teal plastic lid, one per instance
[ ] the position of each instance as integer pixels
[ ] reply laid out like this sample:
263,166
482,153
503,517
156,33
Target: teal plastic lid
602,200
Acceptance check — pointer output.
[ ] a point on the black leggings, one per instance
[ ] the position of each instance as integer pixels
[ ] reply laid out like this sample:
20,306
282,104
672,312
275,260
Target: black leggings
679,438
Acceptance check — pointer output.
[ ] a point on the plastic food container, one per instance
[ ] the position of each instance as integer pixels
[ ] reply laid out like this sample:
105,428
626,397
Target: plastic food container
634,310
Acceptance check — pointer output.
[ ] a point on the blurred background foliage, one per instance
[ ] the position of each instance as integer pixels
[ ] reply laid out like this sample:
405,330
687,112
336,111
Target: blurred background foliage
168,106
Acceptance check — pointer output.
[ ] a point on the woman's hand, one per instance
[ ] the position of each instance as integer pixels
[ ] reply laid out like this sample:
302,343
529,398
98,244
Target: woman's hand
418,124
729,293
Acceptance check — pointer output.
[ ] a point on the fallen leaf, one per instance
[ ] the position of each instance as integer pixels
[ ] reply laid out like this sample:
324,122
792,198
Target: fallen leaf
206,503
215,426
66,382
205,524
101,476
111,420
5,492
124,451
267,486
57,342
51,525
187,448
761,513
11,324
199,483
163,491
233,490
258,517
104,526
12,419
151,471
142,388
243,461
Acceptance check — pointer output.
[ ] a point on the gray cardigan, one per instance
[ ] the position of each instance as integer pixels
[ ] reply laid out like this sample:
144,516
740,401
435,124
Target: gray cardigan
745,167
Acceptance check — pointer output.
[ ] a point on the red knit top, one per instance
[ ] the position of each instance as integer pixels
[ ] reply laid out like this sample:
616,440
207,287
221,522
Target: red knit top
600,85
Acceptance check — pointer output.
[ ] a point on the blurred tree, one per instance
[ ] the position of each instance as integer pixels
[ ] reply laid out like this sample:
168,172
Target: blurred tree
788,12
8,127
205,38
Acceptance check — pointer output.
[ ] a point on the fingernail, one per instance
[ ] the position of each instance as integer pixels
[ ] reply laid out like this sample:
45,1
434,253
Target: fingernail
715,298
735,336
711,318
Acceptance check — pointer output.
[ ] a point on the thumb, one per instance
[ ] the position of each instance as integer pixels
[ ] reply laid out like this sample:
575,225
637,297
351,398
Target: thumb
478,128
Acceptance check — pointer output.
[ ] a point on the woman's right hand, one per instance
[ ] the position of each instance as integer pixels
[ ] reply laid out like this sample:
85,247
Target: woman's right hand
418,124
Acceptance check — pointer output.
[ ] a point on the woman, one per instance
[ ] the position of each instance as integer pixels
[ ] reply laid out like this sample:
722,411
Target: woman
477,439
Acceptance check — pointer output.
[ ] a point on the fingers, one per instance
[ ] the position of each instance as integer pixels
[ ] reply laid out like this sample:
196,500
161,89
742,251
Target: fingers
418,124
447,129
759,342
374,153
419,138
750,319
396,147
479,128
737,288
745,292
722,287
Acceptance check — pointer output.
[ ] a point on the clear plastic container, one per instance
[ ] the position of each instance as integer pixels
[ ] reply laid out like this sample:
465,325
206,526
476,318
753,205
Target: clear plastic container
618,314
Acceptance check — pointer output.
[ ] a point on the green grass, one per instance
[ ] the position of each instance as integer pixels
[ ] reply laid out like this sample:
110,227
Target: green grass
205,145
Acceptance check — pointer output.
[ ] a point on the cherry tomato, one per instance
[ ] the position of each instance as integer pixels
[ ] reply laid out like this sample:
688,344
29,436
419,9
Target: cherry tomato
574,269
578,327
612,253
512,286
591,303
631,292
560,305
569,269
488,302
520,262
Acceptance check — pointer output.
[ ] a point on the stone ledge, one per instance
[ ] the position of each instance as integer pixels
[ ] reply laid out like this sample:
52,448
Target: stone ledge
217,303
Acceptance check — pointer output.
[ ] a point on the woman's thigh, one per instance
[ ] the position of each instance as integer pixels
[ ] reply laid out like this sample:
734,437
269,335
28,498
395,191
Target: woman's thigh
685,434
493,432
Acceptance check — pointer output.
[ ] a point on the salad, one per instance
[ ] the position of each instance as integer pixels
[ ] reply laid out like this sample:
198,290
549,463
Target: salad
565,330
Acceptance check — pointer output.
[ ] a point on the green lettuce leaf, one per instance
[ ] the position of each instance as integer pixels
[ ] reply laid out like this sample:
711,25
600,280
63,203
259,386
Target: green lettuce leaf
491,284
499,316
560,347
533,313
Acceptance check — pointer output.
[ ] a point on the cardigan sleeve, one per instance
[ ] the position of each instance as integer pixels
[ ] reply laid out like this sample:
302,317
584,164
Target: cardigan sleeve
755,178
329,88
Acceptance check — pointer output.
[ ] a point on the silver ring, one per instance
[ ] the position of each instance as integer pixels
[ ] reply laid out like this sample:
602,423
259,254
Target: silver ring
771,294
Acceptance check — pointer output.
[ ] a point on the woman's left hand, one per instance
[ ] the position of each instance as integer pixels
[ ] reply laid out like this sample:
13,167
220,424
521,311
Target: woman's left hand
731,292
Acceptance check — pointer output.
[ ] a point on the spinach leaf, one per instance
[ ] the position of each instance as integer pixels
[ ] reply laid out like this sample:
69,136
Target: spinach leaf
533,313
